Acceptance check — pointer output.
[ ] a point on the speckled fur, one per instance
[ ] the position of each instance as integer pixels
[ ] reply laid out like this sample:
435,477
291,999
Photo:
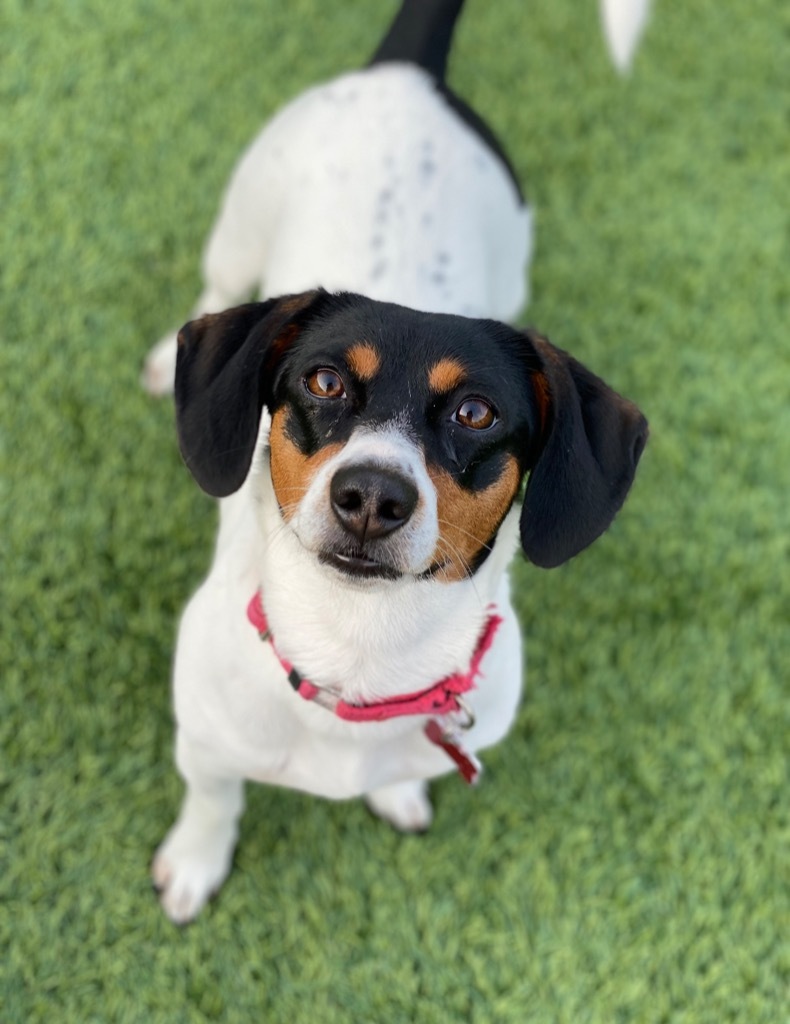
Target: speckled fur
373,184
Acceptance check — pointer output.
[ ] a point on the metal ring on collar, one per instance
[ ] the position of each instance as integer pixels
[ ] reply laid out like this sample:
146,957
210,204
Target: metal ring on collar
469,721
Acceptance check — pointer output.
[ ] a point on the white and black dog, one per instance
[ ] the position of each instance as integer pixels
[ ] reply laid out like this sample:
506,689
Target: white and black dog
355,634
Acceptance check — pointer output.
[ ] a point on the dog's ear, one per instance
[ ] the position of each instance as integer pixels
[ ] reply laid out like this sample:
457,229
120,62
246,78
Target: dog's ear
224,373
591,441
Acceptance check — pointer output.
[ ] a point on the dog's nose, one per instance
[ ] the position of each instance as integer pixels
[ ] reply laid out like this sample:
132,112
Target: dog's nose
370,502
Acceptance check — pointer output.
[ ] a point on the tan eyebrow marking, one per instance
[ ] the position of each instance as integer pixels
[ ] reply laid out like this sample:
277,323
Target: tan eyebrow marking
445,375
363,360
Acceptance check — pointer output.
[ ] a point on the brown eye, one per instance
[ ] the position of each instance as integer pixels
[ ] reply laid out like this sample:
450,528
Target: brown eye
475,414
325,383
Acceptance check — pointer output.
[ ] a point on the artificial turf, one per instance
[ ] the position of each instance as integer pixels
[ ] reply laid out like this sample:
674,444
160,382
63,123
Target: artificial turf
627,857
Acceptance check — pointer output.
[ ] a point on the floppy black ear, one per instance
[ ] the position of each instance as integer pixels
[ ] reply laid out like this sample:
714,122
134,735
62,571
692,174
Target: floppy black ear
223,378
591,444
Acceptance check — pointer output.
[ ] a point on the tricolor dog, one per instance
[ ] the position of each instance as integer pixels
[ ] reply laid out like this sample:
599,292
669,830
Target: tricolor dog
370,426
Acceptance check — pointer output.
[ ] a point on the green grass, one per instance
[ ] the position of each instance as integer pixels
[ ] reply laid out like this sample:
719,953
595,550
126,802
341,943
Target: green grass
627,856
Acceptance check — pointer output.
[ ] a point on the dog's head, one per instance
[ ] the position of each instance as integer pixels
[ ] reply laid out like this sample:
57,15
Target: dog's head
399,440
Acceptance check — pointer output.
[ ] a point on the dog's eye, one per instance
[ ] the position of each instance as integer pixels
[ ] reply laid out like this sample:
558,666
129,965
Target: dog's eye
475,414
325,383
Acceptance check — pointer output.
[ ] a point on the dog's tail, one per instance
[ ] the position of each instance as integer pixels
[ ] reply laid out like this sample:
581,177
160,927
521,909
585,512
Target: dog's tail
624,21
421,34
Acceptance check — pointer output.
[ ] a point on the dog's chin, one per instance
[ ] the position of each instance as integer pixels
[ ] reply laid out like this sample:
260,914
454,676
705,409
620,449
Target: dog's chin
358,567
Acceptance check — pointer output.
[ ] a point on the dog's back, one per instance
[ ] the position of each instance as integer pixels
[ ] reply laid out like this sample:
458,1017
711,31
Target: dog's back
382,182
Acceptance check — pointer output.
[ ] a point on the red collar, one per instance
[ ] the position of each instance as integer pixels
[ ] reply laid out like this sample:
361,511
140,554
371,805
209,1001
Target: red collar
440,700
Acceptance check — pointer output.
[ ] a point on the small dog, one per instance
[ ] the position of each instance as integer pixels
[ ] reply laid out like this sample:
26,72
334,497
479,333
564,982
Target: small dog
355,634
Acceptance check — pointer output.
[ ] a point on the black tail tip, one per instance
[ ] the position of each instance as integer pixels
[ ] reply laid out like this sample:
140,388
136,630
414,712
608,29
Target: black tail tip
421,34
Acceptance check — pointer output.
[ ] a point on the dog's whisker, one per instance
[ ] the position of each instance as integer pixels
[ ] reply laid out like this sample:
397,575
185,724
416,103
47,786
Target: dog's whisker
460,529
449,549
284,525
446,546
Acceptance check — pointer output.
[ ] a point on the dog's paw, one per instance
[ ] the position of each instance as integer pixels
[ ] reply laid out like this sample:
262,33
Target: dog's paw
187,870
404,805
159,368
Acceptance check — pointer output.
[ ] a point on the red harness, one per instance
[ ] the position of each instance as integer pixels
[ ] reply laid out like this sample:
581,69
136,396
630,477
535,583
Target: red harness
440,700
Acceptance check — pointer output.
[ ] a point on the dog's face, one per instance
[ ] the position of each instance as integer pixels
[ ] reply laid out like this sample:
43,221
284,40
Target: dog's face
399,439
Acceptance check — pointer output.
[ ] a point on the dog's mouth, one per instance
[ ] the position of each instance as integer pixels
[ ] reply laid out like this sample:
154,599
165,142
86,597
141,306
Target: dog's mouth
359,565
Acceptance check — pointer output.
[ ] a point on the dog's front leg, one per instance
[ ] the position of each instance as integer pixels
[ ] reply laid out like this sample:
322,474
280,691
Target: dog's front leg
194,859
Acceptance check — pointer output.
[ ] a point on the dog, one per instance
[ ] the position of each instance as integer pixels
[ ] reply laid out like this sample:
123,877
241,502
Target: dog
369,425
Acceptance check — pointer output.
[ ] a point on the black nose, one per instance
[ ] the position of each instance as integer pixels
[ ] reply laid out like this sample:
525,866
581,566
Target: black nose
371,502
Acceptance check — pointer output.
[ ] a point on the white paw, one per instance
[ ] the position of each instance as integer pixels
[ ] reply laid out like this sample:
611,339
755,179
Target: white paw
404,805
188,868
159,369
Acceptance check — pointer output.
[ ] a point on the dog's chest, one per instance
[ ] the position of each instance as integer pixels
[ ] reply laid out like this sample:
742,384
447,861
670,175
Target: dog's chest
233,696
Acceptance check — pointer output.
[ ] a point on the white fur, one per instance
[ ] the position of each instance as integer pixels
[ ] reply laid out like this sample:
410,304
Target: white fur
370,184
623,22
